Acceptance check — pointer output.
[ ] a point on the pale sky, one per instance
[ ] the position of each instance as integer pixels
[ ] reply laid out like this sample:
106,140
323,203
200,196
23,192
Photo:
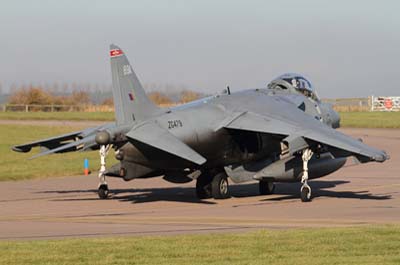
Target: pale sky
346,48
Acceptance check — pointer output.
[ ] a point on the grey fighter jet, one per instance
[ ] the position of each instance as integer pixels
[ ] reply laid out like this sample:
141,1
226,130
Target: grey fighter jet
280,133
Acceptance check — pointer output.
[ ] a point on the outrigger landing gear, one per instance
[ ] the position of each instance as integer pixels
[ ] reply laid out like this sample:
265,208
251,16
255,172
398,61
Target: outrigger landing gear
305,191
103,187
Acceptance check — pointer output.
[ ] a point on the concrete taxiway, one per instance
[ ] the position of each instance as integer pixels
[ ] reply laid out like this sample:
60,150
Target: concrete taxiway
69,206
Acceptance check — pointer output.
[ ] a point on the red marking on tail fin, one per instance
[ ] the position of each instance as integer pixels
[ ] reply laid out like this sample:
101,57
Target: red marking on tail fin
115,53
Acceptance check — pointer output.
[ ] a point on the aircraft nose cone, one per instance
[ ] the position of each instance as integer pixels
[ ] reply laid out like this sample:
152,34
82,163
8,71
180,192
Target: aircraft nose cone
103,138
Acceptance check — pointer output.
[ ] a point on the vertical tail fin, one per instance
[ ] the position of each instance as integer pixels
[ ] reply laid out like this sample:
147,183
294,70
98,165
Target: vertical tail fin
130,101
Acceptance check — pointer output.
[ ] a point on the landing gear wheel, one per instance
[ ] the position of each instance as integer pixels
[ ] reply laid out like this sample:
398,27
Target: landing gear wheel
266,187
103,192
220,186
203,187
305,193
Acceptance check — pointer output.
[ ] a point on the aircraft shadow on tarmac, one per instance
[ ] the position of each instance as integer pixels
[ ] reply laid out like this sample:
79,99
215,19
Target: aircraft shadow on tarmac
322,188
285,191
178,194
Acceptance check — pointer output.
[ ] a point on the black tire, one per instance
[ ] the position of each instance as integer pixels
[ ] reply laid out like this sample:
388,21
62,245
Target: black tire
103,192
220,186
305,194
203,187
266,187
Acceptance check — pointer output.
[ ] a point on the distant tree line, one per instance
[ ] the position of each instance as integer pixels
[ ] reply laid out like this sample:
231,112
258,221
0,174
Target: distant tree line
38,95
62,88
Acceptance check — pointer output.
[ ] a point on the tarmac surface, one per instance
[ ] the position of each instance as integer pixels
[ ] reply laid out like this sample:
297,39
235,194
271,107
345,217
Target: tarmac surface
69,207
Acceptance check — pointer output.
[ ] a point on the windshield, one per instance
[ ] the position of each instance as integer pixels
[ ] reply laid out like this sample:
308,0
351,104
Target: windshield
301,84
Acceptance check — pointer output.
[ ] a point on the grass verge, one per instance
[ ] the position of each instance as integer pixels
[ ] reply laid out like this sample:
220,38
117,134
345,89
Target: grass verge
348,119
361,245
370,119
16,166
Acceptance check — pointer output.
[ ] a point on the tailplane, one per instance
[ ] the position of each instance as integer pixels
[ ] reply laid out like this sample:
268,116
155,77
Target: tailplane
130,100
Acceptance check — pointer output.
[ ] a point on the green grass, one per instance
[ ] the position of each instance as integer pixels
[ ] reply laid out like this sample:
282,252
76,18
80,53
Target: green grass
16,166
348,119
73,116
363,245
370,119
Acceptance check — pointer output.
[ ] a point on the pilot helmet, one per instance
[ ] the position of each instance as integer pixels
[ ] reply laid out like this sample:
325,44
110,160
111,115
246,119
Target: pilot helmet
298,82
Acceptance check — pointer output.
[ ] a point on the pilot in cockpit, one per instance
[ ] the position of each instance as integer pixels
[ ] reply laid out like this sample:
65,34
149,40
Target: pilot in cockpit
298,82
294,82
302,86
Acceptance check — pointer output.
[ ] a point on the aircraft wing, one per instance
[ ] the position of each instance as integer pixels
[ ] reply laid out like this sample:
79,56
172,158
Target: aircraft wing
300,125
48,143
74,141
153,135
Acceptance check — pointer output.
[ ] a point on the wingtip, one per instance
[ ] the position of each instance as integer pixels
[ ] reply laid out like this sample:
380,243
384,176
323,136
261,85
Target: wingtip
201,161
385,156
16,149
21,149
382,157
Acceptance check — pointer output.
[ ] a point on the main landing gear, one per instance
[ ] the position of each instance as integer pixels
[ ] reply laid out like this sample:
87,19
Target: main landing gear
305,191
103,191
216,187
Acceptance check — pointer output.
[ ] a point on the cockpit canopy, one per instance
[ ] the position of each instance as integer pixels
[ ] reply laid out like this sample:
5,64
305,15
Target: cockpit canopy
296,82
